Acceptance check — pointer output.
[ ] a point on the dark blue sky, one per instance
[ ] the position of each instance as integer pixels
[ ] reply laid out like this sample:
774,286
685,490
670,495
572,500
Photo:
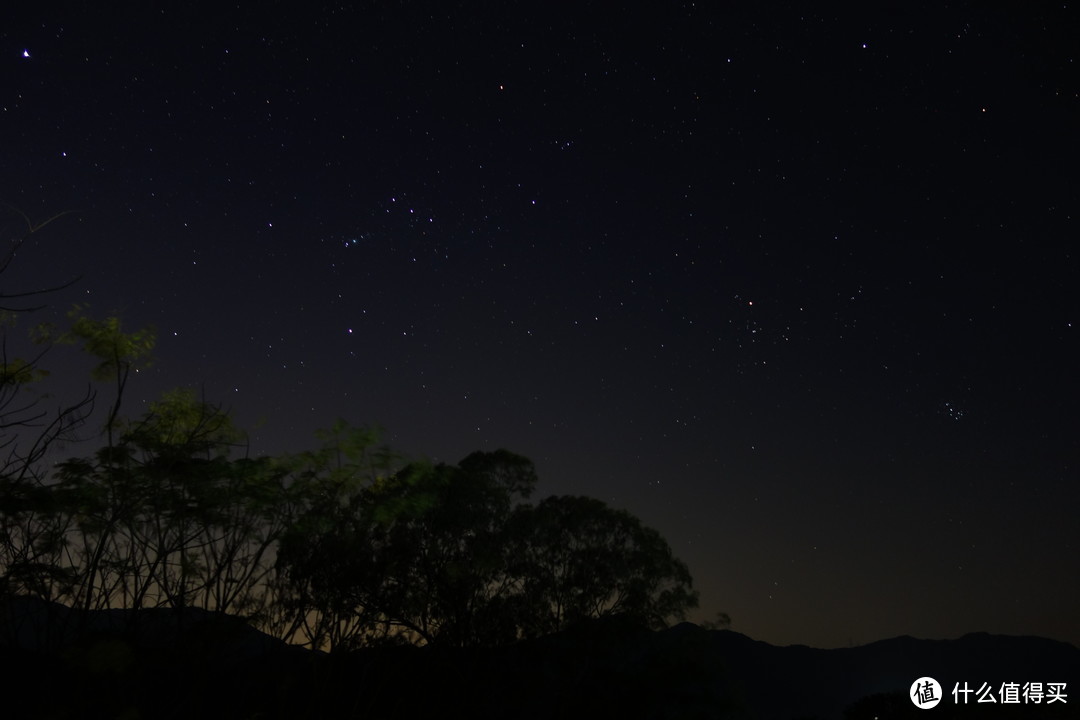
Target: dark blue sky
795,287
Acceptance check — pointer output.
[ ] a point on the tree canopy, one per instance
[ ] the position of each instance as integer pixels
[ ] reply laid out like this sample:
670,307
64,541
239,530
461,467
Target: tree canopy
454,555
577,558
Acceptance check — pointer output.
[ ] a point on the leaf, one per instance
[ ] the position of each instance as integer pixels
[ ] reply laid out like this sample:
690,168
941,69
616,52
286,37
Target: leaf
106,341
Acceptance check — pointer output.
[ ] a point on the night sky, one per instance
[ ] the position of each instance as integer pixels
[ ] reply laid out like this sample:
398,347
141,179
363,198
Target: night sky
794,285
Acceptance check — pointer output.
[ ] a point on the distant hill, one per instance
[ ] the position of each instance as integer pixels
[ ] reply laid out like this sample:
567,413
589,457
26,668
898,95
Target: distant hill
160,664
798,681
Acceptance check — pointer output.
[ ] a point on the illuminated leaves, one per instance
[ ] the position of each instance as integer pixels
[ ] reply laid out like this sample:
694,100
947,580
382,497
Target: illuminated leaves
105,340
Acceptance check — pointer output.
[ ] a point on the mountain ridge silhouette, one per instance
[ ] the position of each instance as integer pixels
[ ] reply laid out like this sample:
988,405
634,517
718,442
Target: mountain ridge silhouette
611,667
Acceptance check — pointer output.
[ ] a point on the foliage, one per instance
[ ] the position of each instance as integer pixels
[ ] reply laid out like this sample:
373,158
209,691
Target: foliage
167,518
180,424
163,517
578,558
335,548
439,536
452,555
116,351
325,486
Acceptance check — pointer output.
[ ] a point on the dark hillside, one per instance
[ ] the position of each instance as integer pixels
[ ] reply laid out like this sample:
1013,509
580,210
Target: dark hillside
210,666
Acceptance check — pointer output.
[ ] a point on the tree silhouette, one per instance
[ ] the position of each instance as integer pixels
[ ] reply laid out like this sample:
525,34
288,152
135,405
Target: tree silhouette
439,532
165,517
577,559
410,556
452,555
30,540
309,601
